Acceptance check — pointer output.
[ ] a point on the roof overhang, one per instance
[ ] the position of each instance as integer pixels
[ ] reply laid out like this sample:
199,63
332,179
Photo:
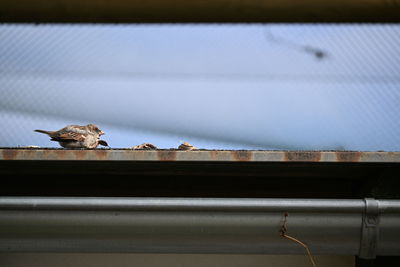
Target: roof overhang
199,173
198,11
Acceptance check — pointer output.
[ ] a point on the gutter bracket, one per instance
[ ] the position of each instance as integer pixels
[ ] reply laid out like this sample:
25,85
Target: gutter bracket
369,229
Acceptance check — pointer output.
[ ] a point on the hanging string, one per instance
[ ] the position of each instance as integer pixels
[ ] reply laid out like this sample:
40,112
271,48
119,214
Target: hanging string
283,234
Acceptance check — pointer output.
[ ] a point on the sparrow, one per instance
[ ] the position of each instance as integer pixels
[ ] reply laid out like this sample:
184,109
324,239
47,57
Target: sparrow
75,136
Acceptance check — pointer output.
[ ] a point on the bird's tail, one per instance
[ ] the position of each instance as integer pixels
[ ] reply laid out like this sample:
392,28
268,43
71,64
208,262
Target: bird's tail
43,131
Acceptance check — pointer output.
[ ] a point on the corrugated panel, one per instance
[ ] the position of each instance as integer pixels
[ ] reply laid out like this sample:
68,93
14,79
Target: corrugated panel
219,86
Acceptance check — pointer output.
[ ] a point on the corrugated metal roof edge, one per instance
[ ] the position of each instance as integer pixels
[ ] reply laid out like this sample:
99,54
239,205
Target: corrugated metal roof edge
197,155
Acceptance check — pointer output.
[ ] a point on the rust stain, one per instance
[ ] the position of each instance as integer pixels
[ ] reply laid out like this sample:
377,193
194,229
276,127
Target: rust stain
61,154
213,155
80,154
348,156
206,155
101,154
9,154
30,154
242,155
302,156
166,155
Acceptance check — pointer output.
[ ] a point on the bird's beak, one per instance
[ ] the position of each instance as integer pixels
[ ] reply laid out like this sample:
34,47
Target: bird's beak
102,133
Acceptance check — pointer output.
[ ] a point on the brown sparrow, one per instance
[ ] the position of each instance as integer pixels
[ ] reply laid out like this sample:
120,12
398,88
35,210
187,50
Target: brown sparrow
75,136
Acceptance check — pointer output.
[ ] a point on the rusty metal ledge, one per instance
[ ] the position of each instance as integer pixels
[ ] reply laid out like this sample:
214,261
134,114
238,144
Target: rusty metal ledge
197,155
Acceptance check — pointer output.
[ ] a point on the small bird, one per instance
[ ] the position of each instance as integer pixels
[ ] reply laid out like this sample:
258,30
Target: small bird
76,136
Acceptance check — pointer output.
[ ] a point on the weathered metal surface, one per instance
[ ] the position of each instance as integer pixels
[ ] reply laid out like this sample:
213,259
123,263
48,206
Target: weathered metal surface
198,155
192,204
159,11
196,225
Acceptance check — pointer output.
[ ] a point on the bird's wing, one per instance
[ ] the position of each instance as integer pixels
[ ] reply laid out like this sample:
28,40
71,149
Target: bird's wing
68,136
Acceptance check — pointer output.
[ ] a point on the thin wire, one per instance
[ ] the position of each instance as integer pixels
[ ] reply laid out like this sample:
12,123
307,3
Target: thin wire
283,234
304,245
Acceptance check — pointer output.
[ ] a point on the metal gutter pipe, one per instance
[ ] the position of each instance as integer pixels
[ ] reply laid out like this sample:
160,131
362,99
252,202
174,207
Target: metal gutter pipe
363,227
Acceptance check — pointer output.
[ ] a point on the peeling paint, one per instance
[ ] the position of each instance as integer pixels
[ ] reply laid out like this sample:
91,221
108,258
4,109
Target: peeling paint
348,156
9,154
242,155
302,156
166,155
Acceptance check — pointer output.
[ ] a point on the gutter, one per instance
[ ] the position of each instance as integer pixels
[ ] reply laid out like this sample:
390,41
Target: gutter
362,227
